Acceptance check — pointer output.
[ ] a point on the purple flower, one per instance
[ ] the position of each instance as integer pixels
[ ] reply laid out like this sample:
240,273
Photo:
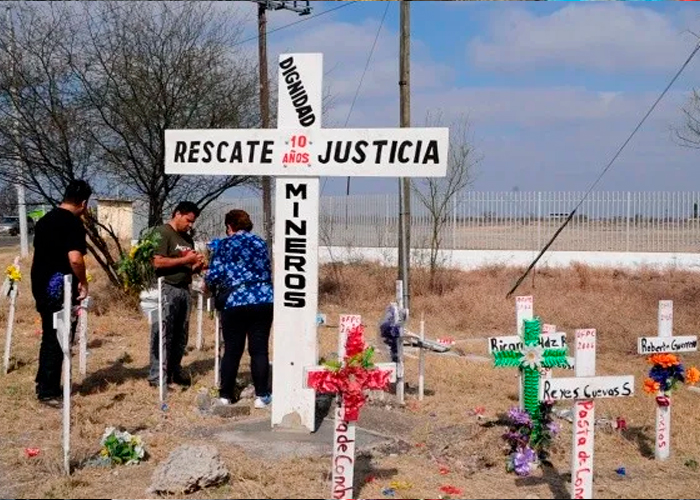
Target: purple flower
554,428
522,460
516,438
520,417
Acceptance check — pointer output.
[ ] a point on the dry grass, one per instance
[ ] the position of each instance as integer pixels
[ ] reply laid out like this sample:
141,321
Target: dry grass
440,430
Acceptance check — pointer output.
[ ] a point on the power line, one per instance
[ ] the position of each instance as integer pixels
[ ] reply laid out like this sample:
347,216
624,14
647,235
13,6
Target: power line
605,170
364,72
309,18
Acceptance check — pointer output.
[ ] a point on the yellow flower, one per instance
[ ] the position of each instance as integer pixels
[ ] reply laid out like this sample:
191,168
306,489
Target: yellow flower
134,249
89,277
13,273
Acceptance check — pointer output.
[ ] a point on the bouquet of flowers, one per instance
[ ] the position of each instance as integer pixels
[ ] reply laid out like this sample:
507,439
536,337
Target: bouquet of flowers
352,377
527,445
12,277
666,374
390,331
121,447
136,269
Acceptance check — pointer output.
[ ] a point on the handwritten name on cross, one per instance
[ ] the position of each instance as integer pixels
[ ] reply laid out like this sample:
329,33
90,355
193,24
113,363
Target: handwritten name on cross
665,343
530,359
298,152
584,388
349,378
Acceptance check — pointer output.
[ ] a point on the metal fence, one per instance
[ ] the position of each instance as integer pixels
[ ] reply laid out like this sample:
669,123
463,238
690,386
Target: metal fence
606,221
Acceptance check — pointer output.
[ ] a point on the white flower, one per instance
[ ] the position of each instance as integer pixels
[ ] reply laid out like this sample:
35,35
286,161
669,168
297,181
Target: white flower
532,356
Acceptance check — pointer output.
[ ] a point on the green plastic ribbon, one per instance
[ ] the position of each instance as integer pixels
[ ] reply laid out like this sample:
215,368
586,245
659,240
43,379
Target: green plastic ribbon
551,358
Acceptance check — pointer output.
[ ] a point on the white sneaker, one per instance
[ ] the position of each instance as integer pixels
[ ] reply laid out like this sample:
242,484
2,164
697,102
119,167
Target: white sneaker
262,402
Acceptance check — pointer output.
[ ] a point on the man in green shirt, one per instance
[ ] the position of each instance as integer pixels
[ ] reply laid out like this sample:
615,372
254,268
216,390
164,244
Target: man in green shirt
175,261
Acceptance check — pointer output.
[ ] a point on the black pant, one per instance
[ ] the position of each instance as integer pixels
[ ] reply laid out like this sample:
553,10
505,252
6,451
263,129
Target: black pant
253,321
176,324
48,377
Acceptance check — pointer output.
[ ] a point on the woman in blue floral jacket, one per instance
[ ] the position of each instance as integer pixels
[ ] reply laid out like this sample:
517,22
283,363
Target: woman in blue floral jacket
240,277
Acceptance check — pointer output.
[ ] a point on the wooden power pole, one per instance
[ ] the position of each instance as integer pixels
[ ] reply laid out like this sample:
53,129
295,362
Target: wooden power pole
302,8
405,121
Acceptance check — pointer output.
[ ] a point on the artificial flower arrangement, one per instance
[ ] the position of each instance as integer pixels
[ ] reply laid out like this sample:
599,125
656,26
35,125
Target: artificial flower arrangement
529,441
351,378
666,374
136,268
12,277
121,448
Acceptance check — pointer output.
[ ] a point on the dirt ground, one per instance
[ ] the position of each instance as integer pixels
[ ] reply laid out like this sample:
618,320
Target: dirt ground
440,432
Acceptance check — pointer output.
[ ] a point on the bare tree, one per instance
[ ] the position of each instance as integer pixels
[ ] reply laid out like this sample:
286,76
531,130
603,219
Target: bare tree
88,91
158,66
8,199
688,134
437,193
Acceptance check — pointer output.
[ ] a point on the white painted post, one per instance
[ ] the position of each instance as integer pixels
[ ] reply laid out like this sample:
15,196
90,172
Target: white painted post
83,334
62,324
524,310
662,448
583,389
10,322
217,350
584,419
665,342
421,360
344,432
200,320
161,343
548,329
402,318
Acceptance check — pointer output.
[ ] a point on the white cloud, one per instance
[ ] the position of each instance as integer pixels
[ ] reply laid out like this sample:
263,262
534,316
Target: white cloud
609,37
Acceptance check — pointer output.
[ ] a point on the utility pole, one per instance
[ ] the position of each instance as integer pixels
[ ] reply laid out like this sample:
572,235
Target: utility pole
405,121
302,8
21,197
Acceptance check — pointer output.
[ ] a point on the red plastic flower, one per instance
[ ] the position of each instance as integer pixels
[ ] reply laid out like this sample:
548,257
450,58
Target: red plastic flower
451,490
32,452
663,401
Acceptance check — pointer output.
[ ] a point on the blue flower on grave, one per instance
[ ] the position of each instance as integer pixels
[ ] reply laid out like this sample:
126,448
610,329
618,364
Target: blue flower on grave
54,291
522,460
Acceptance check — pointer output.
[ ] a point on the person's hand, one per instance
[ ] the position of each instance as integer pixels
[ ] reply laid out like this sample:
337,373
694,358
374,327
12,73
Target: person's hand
192,258
82,291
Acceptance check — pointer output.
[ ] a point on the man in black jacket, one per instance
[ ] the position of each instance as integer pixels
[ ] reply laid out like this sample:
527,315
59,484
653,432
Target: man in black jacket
59,249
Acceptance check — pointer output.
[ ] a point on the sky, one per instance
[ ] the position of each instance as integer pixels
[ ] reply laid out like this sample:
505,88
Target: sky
551,89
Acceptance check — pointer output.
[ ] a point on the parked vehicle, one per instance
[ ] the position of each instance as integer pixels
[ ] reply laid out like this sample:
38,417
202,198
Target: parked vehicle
7,224
15,228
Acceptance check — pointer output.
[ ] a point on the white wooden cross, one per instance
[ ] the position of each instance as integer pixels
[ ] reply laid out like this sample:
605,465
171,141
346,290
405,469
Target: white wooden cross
82,312
665,342
10,290
584,388
298,152
217,342
162,386
198,288
550,338
62,322
343,470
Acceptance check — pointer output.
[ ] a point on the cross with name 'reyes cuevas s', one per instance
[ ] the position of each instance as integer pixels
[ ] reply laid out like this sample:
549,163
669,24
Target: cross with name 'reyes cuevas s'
297,153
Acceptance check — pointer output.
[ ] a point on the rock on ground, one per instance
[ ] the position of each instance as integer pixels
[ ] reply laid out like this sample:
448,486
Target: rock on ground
189,468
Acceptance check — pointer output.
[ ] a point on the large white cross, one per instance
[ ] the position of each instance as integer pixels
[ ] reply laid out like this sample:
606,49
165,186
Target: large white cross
584,389
298,152
665,342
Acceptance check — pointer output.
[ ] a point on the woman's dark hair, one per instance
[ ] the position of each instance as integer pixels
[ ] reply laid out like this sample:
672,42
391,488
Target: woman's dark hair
239,219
